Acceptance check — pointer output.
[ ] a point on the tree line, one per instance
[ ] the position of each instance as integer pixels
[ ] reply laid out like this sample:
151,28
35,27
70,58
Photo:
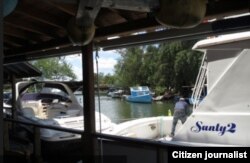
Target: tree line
171,66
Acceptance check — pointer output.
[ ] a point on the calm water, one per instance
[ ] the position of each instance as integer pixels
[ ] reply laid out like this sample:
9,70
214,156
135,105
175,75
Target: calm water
119,110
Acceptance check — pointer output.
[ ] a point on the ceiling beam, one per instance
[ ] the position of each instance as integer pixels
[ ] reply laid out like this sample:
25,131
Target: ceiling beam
42,17
31,27
123,28
67,8
42,13
19,33
203,30
42,54
12,44
107,17
101,33
53,44
127,27
18,41
218,9
6,45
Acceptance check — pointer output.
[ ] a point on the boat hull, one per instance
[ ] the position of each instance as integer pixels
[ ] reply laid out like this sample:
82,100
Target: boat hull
146,128
140,99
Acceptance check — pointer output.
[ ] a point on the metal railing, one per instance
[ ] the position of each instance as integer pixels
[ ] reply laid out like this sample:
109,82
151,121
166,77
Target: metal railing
157,146
200,83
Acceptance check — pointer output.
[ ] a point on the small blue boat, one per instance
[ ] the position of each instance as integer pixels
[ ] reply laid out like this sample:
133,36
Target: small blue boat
140,94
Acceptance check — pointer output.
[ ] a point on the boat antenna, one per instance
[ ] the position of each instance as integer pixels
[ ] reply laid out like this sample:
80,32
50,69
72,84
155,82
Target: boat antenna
98,87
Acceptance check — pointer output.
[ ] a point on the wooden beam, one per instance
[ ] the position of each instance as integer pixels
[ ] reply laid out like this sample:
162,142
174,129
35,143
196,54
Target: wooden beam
12,44
6,45
39,47
132,5
222,8
203,30
1,81
19,33
107,17
67,8
19,41
126,27
101,33
130,16
37,145
42,17
31,27
42,54
89,145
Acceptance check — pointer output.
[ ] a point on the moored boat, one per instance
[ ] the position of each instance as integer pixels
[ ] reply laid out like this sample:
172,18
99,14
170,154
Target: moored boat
222,117
140,94
54,104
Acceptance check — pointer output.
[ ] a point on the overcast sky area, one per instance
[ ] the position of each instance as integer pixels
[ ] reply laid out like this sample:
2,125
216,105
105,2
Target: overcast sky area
106,62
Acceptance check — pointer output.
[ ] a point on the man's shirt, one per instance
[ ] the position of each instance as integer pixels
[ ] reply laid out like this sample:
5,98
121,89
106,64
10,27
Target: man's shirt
180,105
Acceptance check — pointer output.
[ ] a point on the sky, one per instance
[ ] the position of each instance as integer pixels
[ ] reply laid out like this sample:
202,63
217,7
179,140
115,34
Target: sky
106,62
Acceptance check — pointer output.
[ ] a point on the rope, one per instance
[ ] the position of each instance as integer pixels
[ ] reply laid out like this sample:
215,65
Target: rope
98,90
99,104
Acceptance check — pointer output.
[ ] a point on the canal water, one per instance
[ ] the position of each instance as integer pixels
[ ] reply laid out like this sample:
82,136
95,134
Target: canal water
119,110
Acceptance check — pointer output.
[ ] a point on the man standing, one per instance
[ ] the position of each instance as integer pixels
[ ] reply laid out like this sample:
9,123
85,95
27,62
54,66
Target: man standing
180,110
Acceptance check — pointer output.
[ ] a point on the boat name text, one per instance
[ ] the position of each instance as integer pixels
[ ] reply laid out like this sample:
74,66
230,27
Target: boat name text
221,129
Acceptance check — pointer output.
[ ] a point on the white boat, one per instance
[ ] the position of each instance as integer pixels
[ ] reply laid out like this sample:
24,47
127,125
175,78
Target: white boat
145,128
222,117
116,93
54,104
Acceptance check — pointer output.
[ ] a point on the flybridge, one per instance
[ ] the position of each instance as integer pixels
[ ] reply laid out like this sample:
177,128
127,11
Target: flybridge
228,91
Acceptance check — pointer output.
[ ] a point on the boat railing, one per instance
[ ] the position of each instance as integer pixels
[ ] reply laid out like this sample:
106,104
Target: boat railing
200,83
158,147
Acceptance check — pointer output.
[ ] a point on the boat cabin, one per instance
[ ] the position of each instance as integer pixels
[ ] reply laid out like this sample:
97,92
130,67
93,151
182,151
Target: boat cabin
223,115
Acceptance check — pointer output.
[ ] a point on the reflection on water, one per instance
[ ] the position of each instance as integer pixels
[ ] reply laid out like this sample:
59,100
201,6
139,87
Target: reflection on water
140,110
119,110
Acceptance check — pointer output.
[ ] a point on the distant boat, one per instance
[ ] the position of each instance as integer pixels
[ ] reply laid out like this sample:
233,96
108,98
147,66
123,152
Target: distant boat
140,94
116,93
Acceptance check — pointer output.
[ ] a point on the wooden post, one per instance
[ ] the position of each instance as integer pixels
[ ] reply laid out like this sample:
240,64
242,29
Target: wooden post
14,98
1,81
89,143
6,136
37,145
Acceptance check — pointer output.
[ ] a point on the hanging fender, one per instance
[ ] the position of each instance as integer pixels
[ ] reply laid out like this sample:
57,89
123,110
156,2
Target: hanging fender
181,13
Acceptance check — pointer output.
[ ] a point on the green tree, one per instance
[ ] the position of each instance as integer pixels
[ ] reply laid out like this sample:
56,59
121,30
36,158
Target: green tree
166,66
128,67
150,66
55,68
109,79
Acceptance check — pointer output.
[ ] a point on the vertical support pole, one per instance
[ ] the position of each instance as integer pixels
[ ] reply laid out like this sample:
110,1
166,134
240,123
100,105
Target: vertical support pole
89,143
1,80
6,136
37,145
13,102
159,155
